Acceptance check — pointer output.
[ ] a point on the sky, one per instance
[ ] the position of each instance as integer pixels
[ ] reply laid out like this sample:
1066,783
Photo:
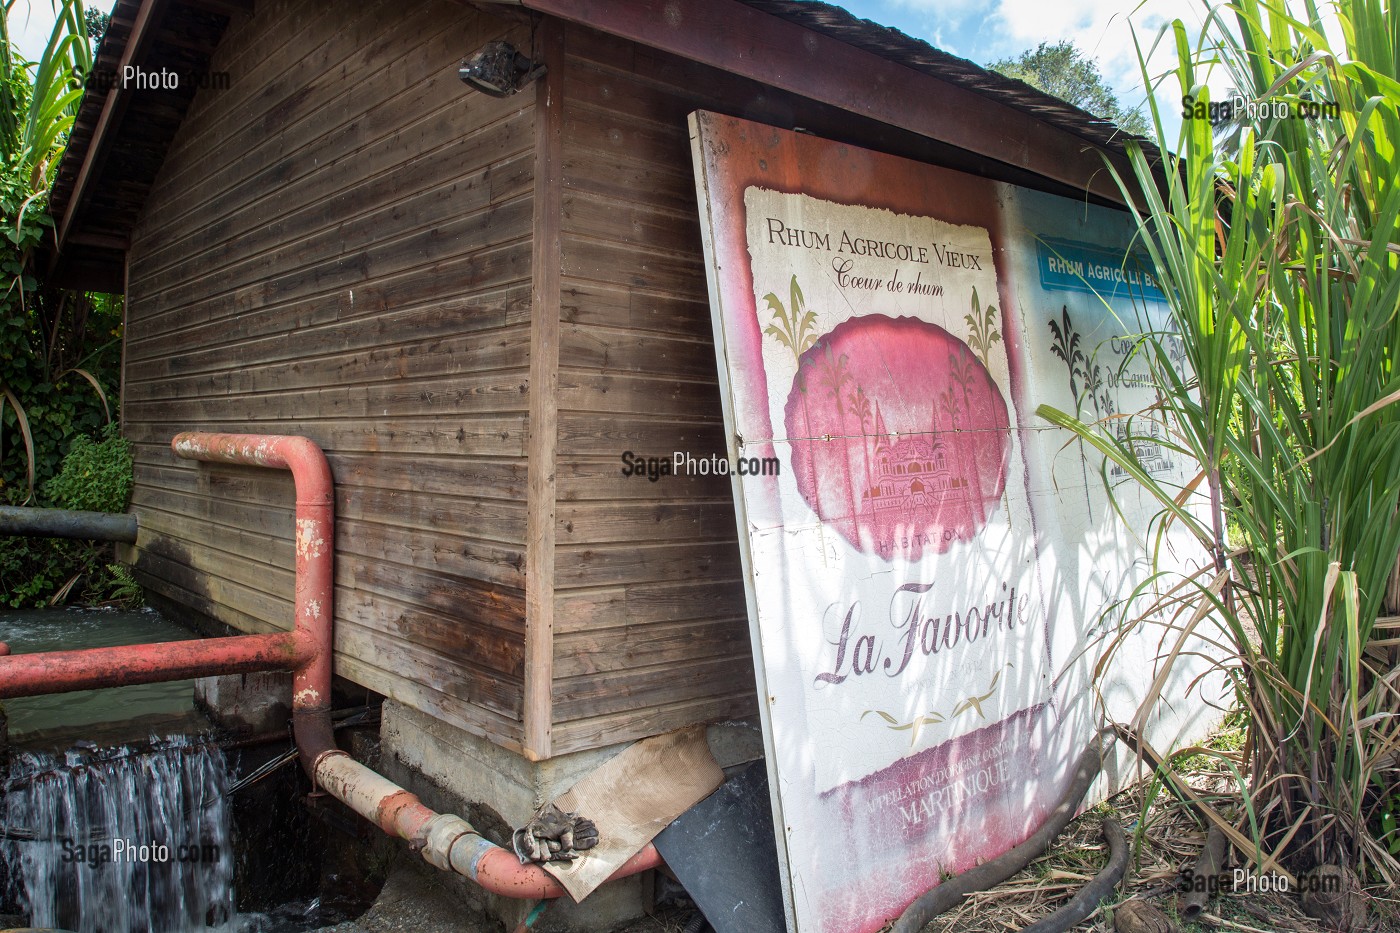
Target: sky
31,22
986,30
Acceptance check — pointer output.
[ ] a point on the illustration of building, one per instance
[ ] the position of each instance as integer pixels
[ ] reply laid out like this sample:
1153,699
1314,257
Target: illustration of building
911,471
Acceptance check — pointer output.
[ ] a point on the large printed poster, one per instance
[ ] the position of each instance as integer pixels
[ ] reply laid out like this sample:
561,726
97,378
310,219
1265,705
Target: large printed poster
927,567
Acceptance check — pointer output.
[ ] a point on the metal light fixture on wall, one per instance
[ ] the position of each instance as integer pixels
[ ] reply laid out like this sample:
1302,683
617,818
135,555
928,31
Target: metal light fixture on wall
498,69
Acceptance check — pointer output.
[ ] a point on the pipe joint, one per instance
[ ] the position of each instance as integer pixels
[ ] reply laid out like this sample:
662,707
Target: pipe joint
320,759
467,854
440,834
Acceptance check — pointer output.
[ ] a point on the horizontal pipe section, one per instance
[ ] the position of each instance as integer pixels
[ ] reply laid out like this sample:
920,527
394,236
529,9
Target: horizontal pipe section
60,671
19,521
444,840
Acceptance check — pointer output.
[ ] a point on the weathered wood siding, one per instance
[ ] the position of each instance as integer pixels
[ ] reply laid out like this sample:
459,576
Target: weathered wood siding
650,629
339,245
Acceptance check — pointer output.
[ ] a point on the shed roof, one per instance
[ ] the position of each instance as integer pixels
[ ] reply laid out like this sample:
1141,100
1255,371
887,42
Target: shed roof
121,135
896,46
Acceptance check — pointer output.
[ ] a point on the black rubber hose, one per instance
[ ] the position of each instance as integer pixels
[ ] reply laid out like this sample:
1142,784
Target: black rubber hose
990,874
1083,903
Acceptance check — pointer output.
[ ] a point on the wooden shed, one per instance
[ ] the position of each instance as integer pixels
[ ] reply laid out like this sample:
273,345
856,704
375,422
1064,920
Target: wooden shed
475,305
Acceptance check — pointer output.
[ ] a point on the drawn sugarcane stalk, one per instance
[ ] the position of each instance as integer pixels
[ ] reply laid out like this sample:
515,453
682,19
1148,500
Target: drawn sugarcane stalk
794,326
1065,345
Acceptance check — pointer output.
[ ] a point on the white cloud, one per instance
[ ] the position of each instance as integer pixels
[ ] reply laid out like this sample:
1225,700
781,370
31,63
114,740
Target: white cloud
1102,29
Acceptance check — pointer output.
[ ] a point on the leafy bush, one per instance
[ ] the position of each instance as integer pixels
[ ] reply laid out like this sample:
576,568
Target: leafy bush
59,356
95,476
31,569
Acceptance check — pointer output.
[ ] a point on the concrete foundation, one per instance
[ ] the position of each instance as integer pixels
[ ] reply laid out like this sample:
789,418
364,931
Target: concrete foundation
497,790
247,704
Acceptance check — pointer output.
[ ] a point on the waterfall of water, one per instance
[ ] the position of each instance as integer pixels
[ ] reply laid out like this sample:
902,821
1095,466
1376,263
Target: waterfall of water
116,840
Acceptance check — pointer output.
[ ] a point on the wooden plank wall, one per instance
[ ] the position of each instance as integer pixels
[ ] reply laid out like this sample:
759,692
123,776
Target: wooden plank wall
649,622
339,245
650,626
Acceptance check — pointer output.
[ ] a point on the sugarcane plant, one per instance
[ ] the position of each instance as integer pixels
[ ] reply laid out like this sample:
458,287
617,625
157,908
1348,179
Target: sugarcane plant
1276,248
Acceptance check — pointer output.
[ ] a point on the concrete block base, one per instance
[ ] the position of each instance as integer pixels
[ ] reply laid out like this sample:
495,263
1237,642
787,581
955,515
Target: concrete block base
247,704
495,789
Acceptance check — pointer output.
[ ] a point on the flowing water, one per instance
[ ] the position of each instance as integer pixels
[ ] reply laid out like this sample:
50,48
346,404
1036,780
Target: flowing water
118,840
73,823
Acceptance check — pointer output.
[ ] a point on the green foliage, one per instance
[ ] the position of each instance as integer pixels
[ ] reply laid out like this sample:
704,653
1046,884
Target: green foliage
96,476
40,99
1062,70
96,23
59,364
32,569
1388,831
59,350
1276,256
121,590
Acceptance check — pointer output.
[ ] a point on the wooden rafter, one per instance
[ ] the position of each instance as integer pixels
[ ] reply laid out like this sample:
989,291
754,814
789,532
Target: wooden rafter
143,32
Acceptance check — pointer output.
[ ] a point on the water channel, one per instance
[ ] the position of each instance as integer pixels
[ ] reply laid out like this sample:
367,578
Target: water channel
80,712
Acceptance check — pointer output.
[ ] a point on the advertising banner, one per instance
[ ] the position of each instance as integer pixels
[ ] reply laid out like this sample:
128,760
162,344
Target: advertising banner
928,569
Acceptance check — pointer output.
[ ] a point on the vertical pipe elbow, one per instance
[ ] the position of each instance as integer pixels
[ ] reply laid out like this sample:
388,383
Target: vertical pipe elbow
447,841
315,565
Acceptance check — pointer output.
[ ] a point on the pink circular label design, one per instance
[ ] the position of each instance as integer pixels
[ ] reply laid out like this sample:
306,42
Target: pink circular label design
901,438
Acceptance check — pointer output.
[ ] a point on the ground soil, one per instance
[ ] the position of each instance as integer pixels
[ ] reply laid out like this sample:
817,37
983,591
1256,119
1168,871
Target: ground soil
1166,840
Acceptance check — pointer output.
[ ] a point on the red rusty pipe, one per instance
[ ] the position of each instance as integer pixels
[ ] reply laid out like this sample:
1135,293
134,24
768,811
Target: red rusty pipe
313,606
4,649
306,650
447,841
24,675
